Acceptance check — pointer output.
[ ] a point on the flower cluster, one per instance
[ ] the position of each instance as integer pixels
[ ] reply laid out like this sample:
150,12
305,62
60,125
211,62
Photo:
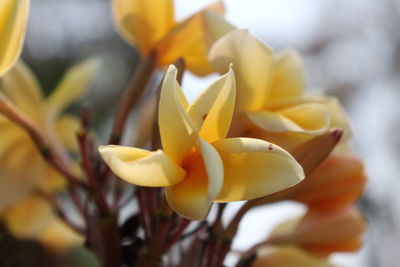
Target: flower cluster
253,135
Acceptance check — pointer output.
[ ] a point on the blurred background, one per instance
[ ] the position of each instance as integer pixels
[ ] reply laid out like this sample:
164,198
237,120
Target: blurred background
351,49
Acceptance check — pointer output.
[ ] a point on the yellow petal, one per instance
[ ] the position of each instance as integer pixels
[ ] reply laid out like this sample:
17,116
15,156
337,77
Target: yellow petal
313,119
255,168
141,167
287,256
22,88
216,27
73,86
212,111
13,20
29,218
288,80
192,198
142,22
338,116
252,64
188,40
66,129
178,135
331,232
59,236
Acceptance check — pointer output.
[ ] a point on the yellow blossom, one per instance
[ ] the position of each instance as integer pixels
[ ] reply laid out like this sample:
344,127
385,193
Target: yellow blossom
13,20
271,103
22,168
198,165
150,26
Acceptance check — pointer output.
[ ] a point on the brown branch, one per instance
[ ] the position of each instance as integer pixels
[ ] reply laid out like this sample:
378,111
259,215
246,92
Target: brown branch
131,96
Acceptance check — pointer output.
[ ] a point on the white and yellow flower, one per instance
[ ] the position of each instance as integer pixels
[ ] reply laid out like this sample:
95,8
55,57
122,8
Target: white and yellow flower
198,165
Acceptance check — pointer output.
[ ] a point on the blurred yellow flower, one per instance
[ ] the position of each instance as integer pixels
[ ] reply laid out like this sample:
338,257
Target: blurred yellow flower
323,232
198,165
22,168
151,27
13,21
271,104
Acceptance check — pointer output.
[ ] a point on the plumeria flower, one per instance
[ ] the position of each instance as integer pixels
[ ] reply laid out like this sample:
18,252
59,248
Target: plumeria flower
198,165
22,169
150,26
13,21
271,102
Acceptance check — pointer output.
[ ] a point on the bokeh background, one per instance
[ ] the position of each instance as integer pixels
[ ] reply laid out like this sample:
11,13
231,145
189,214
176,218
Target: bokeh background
351,49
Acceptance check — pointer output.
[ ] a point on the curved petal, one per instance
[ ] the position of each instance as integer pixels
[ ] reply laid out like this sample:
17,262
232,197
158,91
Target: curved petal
216,27
29,218
193,197
212,111
252,63
328,232
60,236
177,133
73,86
255,168
313,118
285,256
13,21
142,22
22,88
288,80
142,167
188,40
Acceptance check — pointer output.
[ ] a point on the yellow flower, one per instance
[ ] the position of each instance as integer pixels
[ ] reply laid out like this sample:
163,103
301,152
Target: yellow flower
271,103
13,20
198,165
22,168
150,26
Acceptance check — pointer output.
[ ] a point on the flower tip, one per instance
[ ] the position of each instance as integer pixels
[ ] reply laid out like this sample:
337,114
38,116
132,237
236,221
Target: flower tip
336,134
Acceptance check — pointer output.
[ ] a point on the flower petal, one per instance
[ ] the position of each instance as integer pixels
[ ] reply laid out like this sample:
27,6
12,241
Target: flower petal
212,111
73,86
143,23
288,80
22,88
336,183
141,167
285,256
193,197
216,27
177,133
29,218
188,40
13,21
60,236
255,168
252,64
